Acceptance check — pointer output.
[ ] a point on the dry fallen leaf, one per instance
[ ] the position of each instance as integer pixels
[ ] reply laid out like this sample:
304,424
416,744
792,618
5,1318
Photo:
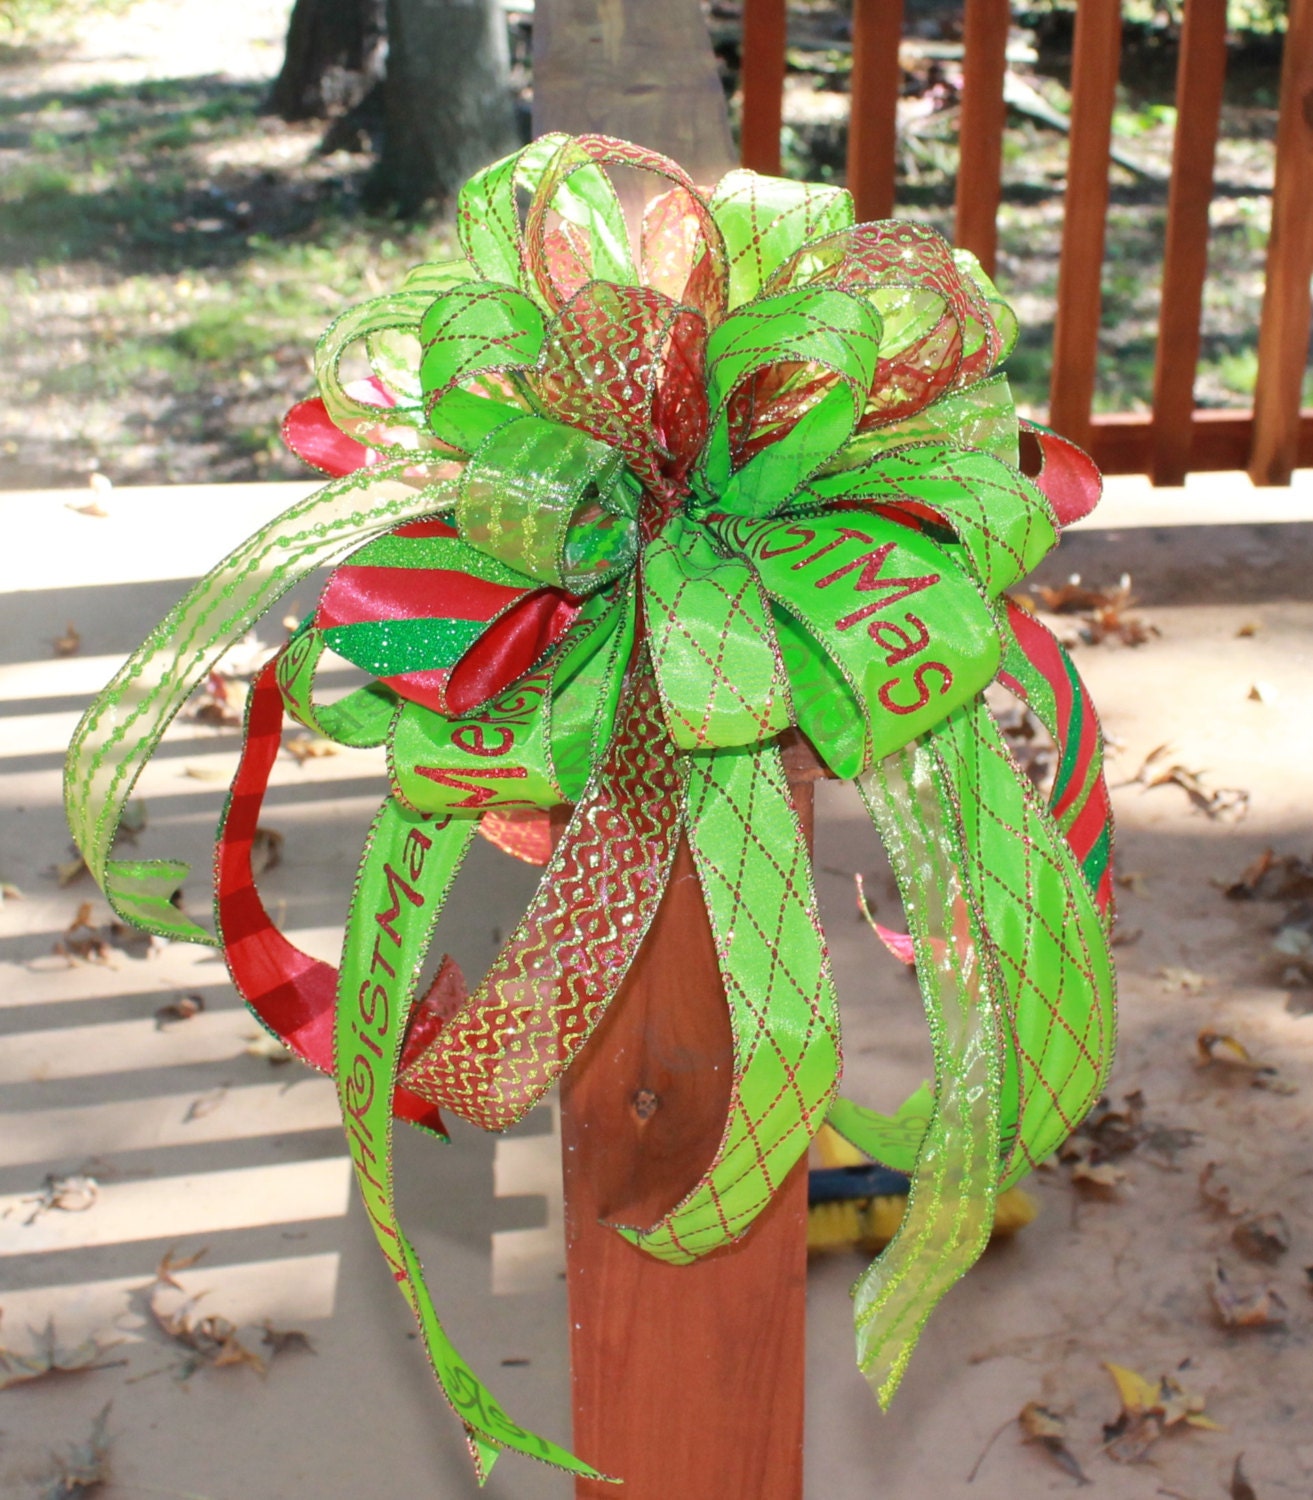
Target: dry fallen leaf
70,870
1248,628
205,773
9,892
181,1009
1220,1049
1149,1408
68,644
91,508
304,747
1264,1236
85,1467
205,1104
269,1048
1189,981
1135,881
1046,1429
49,1357
209,1338
1245,888
169,1263
71,1194
1238,1307
1100,1177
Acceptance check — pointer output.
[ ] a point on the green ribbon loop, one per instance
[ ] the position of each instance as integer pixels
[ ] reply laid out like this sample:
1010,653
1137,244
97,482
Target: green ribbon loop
475,339
713,648
361,719
1001,520
755,872
551,502
763,366
119,732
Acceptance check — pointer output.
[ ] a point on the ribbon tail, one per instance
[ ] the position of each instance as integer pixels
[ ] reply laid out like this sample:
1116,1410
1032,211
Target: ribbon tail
410,862
119,732
755,872
954,1184
1013,957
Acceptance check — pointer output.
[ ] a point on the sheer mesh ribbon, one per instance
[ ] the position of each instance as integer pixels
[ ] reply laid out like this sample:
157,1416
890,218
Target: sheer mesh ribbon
616,510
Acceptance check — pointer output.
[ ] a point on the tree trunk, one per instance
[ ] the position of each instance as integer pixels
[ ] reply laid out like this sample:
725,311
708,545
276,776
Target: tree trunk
447,99
642,71
334,55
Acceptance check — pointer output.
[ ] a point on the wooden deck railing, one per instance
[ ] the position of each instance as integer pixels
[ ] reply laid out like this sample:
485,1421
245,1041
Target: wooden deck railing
1176,437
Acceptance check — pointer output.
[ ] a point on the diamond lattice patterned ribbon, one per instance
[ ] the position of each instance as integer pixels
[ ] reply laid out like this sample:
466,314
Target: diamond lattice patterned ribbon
616,507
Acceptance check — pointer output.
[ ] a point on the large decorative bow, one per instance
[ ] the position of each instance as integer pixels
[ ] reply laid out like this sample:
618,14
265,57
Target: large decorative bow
626,507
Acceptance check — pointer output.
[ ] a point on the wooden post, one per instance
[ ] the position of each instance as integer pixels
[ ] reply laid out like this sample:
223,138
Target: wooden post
765,40
980,129
1096,54
873,113
1284,330
1200,74
644,72
688,1380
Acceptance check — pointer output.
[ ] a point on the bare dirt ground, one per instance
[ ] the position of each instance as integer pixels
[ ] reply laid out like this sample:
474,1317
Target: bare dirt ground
142,1116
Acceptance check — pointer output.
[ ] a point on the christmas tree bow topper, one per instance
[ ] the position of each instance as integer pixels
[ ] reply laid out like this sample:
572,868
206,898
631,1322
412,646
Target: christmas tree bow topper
615,510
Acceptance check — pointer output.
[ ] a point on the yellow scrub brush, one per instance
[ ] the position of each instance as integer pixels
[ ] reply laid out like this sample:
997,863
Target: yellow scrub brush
855,1203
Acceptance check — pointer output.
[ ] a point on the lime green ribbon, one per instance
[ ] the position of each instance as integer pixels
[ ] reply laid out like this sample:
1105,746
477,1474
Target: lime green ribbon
759,459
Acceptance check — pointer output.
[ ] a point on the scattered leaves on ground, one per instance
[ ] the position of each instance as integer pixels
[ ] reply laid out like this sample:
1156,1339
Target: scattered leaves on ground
181,1009
68,644
1245,1307
1104,612
1043,1427
84,1467
1293,944
1149,1409
208,1338
86,942
49,1357
1272,877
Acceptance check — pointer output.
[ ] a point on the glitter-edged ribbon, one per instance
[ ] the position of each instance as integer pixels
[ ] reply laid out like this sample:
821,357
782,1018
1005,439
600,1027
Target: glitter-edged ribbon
617,509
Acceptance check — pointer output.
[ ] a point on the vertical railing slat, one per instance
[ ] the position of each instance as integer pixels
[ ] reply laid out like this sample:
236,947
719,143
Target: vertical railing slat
1096,54
873,116
980,129
1284,329
1200,74
765,38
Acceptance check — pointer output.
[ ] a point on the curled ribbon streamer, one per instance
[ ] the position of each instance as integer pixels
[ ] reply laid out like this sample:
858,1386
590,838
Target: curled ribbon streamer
616,511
